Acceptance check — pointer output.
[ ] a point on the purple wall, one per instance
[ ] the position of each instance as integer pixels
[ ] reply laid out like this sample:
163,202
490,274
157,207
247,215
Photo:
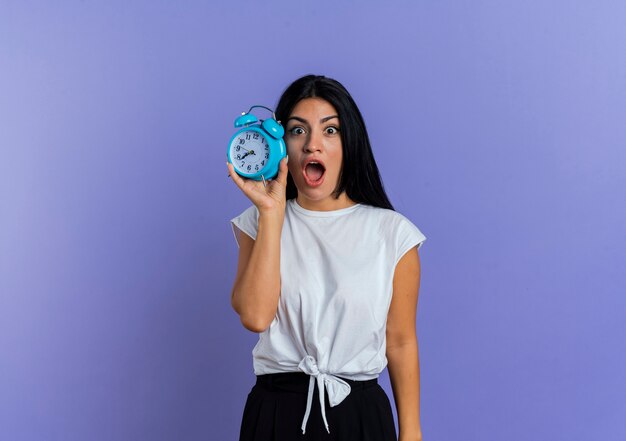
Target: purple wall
117,258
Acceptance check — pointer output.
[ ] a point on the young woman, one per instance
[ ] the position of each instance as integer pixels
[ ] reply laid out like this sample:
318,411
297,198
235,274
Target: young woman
328,275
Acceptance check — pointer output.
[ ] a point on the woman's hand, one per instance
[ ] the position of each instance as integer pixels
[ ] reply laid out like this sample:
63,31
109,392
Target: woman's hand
268,199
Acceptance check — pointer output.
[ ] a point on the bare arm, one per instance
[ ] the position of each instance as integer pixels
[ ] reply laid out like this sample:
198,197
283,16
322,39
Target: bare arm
402,349
257,284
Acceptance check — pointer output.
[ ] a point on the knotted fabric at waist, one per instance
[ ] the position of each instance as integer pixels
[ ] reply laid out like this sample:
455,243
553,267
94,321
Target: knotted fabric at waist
298,382
338,388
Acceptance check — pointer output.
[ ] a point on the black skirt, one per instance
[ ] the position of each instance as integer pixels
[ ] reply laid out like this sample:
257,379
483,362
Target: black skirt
276,406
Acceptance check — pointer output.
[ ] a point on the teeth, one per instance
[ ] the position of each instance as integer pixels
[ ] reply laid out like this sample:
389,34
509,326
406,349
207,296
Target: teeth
314,162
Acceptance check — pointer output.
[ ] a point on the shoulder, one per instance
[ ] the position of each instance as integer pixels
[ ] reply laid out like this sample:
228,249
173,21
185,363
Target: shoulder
395,227
251,213
247,222
388,219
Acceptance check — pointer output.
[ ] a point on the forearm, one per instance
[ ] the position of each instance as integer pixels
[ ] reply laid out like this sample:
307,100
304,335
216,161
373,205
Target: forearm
255,296
403,367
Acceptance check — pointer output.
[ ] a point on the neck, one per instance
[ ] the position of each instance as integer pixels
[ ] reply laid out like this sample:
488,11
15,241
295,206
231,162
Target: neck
326,204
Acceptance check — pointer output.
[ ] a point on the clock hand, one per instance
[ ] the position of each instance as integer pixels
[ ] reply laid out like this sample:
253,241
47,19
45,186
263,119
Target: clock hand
245,155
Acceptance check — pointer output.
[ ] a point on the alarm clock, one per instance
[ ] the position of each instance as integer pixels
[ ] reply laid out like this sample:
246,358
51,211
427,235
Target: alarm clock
257,148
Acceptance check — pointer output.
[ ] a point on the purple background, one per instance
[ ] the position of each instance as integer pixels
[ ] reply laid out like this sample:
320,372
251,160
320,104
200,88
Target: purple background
499,129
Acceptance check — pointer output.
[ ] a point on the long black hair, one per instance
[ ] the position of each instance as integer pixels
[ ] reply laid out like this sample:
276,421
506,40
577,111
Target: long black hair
359,176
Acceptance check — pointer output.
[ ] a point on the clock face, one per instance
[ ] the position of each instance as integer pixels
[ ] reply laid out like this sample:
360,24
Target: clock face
249,152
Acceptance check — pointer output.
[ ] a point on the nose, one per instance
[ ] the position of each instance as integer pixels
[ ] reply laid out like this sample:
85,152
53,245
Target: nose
314,142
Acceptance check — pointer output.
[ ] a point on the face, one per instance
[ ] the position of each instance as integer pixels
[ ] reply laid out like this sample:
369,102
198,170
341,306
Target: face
315,153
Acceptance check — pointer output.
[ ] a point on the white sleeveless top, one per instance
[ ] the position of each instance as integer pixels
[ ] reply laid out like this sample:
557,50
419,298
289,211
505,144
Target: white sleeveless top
336,272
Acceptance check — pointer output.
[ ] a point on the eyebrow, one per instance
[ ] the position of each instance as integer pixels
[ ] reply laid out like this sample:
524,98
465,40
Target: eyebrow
302,120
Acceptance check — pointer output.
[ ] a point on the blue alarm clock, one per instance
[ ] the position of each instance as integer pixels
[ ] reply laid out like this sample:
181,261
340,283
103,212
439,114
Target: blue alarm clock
257,148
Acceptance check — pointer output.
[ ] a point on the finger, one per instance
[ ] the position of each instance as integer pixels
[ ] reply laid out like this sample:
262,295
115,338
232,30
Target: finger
247,186
234,176
283,169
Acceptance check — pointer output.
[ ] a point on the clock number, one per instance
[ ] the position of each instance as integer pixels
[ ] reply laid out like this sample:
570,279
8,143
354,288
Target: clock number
241,140
247,136
267,155
249,167
262,162
237,148
256,167
238,156
256,136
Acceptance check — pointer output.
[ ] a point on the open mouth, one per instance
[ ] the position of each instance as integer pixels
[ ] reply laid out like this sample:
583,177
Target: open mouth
314,173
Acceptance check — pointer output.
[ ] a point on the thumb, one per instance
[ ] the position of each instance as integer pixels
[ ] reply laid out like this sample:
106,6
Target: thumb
282,171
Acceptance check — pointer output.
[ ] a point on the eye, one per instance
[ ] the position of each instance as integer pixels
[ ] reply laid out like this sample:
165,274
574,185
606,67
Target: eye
296,131
332,130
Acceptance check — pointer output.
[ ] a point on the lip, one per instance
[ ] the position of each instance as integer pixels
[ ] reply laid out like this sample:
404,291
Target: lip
306,179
